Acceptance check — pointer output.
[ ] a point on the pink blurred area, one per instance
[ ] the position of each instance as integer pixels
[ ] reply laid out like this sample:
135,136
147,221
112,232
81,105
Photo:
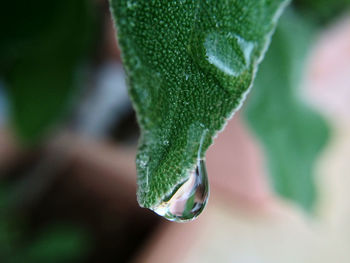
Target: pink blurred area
236,166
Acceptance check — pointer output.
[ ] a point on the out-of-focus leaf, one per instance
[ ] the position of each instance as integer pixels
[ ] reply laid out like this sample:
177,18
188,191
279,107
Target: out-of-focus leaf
56,243
42,44
189,65
8,237
292,133
322,11
60,244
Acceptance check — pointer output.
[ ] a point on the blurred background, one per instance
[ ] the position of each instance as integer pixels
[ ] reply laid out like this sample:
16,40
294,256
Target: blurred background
279,173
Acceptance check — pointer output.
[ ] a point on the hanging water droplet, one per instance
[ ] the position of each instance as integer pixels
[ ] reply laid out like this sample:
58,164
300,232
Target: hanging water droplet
189,198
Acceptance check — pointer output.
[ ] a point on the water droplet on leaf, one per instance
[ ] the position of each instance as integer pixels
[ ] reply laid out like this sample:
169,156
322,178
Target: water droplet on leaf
228,52
189,198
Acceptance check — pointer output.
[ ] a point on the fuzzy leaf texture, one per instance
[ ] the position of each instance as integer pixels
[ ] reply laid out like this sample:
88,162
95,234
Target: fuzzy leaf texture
189,66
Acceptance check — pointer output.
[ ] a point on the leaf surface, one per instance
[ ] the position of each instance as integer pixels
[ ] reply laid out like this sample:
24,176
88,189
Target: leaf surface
189,65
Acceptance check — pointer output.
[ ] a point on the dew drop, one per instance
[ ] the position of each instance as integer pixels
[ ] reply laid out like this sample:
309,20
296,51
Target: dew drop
189,198
228,52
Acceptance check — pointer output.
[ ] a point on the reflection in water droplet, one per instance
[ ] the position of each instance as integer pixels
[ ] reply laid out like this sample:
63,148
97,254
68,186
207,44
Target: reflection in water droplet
189,198
228,52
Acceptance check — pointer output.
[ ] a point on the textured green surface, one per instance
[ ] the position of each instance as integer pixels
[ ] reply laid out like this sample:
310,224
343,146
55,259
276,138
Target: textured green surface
189,65
292,133
42,45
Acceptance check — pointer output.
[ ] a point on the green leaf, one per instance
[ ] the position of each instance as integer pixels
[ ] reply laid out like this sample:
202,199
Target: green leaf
42,45
291,132
59,244
189,65
322,11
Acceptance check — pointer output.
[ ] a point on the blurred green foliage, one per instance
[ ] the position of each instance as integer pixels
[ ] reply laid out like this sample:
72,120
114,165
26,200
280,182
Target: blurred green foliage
292,133
57,243
61,243
42,47
321,11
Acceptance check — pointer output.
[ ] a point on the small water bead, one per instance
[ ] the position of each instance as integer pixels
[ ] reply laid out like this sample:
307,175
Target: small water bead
228,52
189,198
